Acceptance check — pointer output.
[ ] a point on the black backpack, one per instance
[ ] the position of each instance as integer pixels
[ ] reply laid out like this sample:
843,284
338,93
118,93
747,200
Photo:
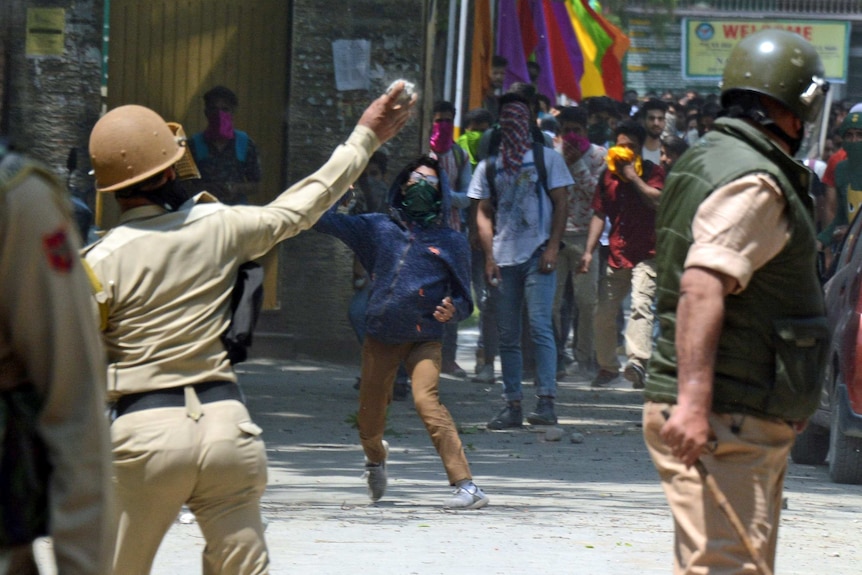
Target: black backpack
496,137
246,302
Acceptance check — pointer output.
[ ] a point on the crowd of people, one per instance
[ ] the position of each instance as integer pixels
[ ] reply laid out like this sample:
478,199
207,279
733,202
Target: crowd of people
664,230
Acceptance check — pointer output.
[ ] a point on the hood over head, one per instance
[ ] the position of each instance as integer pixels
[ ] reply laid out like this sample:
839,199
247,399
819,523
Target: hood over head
408,213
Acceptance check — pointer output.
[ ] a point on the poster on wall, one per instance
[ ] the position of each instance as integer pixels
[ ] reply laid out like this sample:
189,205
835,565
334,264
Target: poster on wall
352,62
707,43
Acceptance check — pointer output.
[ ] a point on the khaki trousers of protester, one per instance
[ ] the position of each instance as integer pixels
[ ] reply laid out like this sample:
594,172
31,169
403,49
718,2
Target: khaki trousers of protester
422,359
585,287
18,560
164,458
617,284
748,459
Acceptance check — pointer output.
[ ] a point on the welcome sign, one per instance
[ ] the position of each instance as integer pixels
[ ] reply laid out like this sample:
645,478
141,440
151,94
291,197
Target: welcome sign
707,43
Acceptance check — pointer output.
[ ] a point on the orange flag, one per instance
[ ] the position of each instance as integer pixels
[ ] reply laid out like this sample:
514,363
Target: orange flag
483,46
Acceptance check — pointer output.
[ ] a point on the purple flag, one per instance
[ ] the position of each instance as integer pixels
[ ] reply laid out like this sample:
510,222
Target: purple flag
510,44
546,84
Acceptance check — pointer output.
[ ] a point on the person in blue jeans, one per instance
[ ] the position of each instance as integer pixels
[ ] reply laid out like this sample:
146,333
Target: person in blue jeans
520,222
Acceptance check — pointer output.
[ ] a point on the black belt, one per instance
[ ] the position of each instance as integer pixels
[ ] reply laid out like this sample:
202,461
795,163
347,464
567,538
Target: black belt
207,392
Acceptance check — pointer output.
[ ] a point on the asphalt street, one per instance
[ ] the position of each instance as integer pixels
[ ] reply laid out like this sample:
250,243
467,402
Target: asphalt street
569,506
583,498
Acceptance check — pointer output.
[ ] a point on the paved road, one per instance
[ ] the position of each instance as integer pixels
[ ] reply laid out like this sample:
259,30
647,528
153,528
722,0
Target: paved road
593,508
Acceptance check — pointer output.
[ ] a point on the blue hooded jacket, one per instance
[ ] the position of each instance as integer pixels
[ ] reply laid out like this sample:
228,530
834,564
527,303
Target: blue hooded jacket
412,268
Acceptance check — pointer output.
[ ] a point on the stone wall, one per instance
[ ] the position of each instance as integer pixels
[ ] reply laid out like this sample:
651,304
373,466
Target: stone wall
51,103
54,100
315,283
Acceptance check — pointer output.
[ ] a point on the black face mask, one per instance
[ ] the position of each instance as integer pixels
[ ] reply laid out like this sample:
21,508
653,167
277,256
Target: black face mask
421,203
170,195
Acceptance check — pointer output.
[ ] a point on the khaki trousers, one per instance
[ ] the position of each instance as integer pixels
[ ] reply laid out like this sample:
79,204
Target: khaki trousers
422,359
586,293
748,462
616,285
216,465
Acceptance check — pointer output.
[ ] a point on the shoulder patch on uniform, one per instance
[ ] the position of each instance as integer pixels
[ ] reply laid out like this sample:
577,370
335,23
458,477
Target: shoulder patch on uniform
58,251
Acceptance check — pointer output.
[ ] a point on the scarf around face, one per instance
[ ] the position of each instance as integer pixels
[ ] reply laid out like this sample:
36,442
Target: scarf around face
421,203
219,126
469,141
442,136
515,132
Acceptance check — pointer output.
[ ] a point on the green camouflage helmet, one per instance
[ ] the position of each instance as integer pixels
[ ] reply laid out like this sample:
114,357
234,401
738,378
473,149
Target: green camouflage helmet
779,64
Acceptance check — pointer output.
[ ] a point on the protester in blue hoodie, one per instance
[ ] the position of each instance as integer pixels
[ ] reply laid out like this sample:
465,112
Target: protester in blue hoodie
420,270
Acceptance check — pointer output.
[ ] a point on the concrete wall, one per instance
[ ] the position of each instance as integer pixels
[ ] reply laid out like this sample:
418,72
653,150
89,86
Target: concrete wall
315,280
52,101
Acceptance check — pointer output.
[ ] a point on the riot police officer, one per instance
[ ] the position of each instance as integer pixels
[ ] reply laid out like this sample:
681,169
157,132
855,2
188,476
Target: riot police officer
182,434
743,330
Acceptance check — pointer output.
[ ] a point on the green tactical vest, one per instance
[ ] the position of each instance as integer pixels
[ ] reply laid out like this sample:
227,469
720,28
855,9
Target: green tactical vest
773,341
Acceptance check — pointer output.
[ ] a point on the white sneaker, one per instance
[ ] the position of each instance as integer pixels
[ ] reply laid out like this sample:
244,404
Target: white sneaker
375,474
468,496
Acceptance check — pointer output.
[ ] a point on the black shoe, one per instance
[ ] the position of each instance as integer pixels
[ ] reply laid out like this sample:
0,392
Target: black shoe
544,413
604,378
452,368
400,391
510,417
358,381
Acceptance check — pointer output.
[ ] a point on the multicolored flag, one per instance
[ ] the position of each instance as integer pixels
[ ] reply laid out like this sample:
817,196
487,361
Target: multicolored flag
611,62
579,51
567,60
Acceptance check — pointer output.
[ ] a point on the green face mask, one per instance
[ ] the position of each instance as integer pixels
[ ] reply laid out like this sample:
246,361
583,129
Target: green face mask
854,163
421,203
853,149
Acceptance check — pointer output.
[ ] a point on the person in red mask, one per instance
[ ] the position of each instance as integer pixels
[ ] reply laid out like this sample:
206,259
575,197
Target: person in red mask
586,162
226,157
456,163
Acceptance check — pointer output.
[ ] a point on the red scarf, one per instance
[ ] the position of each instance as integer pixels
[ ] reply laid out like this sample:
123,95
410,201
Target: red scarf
515,130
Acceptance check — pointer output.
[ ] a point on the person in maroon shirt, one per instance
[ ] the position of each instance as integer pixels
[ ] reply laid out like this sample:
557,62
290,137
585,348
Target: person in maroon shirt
627,195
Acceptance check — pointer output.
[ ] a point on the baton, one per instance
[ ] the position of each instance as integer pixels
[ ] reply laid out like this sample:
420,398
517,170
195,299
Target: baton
728,511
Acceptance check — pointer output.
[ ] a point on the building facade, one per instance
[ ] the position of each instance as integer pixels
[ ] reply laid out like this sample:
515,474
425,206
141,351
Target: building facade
654,61
303,71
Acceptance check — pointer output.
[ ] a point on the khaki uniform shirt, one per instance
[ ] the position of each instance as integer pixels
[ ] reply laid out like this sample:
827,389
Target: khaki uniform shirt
49,337
168,276
739,228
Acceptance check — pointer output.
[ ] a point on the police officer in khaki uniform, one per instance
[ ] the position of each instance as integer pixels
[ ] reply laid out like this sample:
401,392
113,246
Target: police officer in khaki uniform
49,338
736,367
182,434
